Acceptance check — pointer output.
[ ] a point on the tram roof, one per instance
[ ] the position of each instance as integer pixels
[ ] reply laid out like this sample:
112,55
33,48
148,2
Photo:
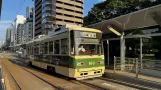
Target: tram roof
143,18
61,31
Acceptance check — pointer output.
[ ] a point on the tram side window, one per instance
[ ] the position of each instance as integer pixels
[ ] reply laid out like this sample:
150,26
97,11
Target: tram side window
35,49
41,48
46,48
28,50
64,46
99,49
31,50
56,47
51,47
72,42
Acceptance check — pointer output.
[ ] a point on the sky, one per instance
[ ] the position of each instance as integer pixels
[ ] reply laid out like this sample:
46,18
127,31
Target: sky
10,9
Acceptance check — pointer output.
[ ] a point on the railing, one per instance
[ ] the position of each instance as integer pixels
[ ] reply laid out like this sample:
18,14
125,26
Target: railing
138,66
127,64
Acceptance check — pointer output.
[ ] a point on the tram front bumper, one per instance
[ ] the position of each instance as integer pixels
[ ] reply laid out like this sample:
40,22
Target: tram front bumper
87,72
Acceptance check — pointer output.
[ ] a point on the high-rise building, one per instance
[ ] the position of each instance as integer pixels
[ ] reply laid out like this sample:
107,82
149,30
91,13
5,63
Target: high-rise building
2,43
29,12
52,13
8,37
20,30
19,20
12,34
28,31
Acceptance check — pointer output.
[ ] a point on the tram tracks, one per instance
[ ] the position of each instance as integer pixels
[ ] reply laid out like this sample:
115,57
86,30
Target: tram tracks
54,81
72,81
86,84
21,84
91,85
5,69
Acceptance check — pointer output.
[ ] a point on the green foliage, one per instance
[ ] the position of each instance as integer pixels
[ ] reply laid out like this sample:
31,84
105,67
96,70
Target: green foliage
113,8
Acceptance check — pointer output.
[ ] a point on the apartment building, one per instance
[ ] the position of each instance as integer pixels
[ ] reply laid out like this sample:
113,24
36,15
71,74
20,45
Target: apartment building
54,13
8,37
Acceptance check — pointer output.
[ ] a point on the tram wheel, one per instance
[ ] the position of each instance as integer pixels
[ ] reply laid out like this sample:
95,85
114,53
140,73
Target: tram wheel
51,69
29,63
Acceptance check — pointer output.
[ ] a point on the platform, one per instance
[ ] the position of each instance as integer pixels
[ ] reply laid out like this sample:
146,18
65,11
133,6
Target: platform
142,80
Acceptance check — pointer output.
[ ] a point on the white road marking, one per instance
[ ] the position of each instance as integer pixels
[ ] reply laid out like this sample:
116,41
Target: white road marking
110,85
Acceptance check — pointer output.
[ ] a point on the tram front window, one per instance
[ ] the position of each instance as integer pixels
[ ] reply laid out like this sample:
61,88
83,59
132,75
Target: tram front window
88,49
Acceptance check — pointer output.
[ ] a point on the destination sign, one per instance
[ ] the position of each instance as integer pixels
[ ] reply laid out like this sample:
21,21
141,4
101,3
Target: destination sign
88,34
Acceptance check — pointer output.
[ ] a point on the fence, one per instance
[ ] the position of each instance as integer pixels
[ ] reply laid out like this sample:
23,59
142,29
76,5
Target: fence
127,64
138,66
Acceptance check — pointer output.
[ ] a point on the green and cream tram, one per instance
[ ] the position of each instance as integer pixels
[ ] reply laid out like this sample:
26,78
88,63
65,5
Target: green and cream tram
74,52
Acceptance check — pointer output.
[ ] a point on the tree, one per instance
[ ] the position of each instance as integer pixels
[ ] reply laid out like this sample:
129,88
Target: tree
113,8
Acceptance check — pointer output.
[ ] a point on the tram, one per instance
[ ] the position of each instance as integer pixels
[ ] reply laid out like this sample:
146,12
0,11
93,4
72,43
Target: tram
72,51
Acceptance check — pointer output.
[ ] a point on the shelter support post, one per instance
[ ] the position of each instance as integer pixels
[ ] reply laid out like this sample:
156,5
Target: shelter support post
122,51
108,53
157,18
141,50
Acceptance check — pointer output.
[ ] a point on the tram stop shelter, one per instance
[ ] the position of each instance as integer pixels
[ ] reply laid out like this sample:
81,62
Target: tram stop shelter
140,19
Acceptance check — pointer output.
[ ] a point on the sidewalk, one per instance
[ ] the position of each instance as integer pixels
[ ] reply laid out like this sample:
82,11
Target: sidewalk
131,78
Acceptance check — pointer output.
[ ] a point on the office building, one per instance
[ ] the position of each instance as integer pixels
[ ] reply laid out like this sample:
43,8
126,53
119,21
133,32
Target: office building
19,20
54,13
28,31
20,30
29,12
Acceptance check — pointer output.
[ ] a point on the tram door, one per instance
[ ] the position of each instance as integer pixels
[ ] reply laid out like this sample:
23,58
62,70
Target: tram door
111,49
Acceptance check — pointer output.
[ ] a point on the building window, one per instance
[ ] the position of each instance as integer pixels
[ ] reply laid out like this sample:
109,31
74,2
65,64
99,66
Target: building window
56,47
51,47
64,45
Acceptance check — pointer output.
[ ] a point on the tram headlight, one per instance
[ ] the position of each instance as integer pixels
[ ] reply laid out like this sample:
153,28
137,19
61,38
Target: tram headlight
101,62
103,57
80,64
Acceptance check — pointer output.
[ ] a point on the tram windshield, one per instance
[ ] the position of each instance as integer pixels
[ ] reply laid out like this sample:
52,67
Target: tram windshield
89,49
86,43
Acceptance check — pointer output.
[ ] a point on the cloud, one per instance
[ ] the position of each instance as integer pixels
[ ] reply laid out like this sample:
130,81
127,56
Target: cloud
4,24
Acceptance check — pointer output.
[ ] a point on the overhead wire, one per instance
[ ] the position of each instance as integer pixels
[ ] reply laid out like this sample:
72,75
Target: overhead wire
19,9
22,3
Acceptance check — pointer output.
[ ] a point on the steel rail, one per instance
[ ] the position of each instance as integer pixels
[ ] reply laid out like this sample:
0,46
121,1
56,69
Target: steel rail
55,87
14,81
92,85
